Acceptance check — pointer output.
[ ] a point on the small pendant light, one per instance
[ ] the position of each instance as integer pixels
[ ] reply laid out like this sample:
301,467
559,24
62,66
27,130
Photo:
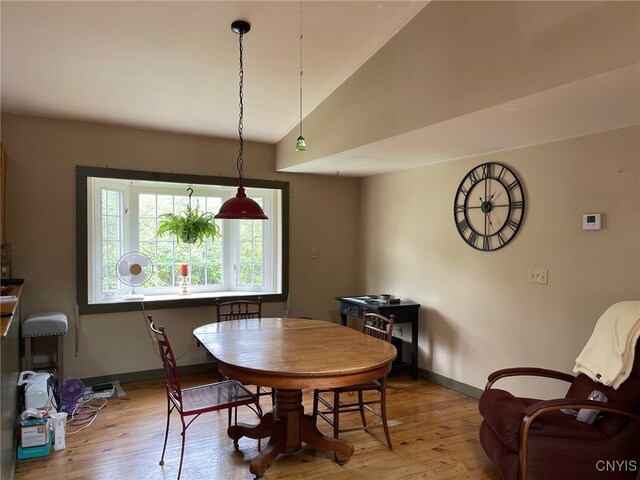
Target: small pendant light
301,144
241,206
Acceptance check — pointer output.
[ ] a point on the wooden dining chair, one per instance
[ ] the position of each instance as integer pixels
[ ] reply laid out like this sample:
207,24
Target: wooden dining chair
194,401
239,310
380,327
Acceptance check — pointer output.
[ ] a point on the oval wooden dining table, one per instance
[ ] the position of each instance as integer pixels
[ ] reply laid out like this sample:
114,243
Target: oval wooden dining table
292,354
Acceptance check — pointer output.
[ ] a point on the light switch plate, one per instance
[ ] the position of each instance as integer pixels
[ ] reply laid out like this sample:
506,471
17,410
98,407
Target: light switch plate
537,275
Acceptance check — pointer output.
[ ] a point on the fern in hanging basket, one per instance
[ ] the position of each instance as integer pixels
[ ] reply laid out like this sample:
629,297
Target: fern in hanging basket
190,226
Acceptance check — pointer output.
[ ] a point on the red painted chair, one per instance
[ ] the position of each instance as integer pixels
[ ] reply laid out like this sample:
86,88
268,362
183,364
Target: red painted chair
194,401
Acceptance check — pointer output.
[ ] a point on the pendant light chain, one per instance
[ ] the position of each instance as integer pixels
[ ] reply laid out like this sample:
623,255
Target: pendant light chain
240,207
240,125
301,71
301,144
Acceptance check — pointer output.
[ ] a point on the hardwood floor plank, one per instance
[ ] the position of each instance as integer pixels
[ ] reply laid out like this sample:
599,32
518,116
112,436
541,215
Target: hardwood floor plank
434,431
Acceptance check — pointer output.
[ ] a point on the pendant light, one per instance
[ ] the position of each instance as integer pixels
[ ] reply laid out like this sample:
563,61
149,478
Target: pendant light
241,206
301,144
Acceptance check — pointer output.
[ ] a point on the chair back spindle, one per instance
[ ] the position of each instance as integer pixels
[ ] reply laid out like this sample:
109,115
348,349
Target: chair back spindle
378,326
238,309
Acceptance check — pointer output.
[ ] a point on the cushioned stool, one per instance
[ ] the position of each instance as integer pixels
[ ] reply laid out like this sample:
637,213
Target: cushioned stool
46,324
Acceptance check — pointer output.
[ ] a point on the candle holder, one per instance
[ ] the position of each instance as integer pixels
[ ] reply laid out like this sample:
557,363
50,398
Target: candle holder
184,279
183,286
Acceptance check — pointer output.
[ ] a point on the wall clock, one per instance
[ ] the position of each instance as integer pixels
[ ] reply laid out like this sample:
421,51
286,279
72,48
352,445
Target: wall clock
489,206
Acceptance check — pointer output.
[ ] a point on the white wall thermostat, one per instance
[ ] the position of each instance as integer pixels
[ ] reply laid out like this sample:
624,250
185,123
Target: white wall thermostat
592,221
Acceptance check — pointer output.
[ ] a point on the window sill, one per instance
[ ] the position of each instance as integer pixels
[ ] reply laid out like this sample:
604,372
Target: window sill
157,302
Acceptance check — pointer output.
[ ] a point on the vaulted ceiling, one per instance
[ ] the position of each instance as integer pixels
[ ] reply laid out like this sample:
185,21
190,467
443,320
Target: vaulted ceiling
174,66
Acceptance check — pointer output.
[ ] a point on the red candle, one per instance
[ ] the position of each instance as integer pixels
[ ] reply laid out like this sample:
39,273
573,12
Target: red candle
184,270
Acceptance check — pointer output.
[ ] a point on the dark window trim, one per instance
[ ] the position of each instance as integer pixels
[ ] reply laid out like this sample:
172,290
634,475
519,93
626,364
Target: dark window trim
82,292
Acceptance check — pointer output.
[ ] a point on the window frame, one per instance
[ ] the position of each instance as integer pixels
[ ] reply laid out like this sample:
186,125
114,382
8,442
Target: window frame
84,202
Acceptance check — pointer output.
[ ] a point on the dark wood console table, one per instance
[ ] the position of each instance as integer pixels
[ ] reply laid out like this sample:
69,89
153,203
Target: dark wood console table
405,312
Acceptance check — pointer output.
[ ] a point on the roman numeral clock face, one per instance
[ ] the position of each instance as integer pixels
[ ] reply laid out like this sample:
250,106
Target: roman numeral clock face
489,206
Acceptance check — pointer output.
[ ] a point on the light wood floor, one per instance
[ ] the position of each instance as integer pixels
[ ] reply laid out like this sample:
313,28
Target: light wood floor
435,436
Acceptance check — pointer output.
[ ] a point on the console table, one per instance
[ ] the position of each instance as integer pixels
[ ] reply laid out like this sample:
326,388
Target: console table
404,312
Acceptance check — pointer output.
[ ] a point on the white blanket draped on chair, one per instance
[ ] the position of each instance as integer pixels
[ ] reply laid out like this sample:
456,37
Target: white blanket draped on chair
607,357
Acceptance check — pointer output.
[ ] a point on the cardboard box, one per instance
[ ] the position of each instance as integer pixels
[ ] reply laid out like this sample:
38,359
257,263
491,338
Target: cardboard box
32,452
34,432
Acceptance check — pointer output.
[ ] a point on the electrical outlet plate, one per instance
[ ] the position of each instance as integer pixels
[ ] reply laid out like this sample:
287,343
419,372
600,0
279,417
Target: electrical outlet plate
538,275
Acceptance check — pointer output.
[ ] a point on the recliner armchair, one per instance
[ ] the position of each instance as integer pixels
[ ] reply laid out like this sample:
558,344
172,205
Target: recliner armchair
531,439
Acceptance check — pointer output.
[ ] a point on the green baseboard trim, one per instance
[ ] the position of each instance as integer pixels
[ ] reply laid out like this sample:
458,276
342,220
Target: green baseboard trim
211,367
450,383
150,374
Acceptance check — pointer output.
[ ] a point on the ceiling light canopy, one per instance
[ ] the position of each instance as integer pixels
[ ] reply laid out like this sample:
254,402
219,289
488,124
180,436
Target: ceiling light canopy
241,206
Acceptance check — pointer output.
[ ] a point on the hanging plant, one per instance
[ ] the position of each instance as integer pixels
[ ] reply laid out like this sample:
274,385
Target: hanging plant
190,226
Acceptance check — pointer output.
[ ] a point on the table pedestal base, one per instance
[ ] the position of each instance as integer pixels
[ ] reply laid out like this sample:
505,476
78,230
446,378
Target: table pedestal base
288,427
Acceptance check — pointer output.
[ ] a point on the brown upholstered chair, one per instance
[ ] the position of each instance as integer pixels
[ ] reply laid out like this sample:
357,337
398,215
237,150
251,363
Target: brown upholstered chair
239,310
327,404
533,440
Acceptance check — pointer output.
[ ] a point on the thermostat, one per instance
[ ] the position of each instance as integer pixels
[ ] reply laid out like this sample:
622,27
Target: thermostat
592,221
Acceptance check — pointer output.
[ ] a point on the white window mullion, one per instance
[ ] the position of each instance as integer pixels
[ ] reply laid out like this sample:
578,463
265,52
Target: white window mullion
132,220
231,253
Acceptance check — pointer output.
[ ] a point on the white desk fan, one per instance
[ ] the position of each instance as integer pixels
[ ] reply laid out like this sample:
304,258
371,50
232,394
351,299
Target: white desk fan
134,269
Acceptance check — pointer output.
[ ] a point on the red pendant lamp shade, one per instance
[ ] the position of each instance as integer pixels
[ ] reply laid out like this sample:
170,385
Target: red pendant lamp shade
241,207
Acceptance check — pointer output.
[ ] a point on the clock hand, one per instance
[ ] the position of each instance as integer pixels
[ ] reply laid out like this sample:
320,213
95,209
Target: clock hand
490,223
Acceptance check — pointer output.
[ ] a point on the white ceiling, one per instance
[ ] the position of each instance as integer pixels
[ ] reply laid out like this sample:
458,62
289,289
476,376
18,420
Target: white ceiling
174,65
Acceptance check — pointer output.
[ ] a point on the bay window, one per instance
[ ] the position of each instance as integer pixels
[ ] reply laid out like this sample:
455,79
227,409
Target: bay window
119,212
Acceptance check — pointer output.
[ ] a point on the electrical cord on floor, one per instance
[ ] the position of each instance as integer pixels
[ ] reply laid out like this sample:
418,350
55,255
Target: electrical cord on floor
84,415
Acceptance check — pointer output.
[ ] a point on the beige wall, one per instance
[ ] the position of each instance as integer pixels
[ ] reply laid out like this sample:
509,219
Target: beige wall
42,155
478,312
454,58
